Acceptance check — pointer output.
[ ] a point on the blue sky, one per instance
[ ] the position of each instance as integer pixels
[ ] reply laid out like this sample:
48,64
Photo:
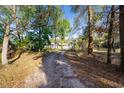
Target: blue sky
70,16
68,13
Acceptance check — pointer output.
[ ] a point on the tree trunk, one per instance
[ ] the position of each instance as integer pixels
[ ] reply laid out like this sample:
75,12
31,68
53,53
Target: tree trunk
16,21
39,43
61,44
55,42
113,45
122,36
110,36
5,44
90,42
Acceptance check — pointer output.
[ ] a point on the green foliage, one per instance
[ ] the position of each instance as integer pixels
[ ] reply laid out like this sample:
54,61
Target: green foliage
56,16
39,37
63,28
1,33
36,42
31,27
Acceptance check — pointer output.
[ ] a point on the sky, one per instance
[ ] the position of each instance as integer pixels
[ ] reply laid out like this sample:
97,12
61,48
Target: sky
68,13
70,16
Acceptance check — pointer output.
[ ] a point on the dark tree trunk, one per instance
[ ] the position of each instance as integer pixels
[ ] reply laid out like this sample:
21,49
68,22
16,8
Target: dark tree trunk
110,40
90,42
113,45
122,36
39,43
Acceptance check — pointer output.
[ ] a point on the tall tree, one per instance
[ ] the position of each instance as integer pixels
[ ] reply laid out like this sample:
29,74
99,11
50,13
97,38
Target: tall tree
63,29
16,20
6,17
56,16
5,43
90,37
41,25
81,10
110,35
122,36
24,14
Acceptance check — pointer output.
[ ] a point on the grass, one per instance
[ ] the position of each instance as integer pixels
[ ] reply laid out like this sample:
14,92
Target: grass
13,75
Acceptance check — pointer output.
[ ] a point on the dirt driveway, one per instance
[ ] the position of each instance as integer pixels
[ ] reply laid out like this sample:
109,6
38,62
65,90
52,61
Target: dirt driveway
54,72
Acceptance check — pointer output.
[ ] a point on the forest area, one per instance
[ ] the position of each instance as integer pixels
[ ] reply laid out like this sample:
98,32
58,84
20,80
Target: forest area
61,46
